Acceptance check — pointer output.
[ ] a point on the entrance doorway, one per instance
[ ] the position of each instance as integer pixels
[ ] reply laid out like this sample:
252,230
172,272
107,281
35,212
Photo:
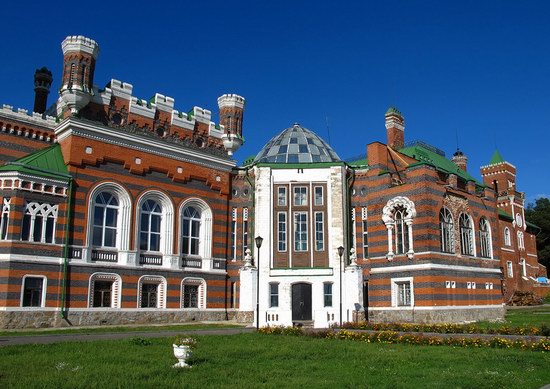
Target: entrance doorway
301,302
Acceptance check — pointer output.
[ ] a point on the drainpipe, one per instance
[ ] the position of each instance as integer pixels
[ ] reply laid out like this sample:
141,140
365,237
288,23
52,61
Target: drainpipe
66,251
349,235
253,194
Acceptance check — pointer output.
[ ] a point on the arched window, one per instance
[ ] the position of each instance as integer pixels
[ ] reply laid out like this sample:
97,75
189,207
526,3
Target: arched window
105,220
446,229
105,290
485,238
109,217
521,243
191,228
39,222
401,231
398,215
196,229
151,220
466,235
507,237
152,292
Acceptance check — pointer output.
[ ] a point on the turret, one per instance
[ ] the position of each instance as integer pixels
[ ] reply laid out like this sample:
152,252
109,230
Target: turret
460,159
231,118
499,174
395,127
42,83
79,57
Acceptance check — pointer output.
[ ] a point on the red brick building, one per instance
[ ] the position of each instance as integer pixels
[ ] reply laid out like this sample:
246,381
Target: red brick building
123,210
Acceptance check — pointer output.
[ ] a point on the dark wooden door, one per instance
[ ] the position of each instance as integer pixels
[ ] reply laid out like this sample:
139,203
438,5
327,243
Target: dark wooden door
301,302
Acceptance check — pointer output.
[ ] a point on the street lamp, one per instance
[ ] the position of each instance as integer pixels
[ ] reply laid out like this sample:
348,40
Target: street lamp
259,241
340,253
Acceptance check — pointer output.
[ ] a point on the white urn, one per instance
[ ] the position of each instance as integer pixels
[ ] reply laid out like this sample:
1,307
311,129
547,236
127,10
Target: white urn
182,353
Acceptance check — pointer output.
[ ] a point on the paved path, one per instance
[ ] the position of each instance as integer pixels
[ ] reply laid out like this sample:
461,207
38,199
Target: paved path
54,338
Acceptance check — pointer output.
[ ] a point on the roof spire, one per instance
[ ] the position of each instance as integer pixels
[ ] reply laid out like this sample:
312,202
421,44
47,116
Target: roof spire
496,158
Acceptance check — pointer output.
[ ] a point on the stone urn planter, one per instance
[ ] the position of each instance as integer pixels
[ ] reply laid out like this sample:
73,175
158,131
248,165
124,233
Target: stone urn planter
183,350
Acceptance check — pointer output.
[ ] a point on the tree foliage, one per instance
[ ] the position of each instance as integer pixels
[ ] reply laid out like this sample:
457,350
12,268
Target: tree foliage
539,214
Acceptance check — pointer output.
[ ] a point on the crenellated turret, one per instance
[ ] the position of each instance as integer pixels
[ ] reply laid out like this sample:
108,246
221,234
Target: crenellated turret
79,58
231,118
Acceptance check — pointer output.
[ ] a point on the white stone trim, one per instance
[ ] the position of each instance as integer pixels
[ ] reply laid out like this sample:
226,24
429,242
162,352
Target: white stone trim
432,266
116,292
167,222
437,308
395,291
161,291
201,299
205,233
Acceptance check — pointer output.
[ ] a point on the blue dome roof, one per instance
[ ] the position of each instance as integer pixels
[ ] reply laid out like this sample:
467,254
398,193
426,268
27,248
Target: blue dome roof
296,145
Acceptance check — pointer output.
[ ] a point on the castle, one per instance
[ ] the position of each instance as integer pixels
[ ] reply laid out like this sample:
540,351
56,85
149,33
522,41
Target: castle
117,209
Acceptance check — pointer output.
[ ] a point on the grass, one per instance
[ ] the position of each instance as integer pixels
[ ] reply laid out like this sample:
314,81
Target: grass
532,316
262,361
107,329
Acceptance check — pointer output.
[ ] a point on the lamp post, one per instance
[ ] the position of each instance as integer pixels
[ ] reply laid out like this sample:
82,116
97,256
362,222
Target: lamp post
340,253
259,241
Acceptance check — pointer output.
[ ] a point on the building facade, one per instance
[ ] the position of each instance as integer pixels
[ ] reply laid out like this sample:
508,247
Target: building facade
122,210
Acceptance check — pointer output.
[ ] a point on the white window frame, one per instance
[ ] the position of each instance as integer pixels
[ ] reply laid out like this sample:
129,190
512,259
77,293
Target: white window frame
281,196
485,240
446,231
331,294
122,241
510,269
521,242
44,290
299,231
161,290
273,292
116,291
282,230
245,231
45,211
205,233
5,218
365,233
300,196
395,282
388,217
507,237
467,235
234,234
315,202
319,231
166,243
201,298
523,264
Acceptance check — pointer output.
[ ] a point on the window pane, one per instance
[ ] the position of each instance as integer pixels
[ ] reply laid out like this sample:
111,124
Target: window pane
155,223
143,241
110,237
98,215
32,292
37,233
110,217
50,230
26,227
155,242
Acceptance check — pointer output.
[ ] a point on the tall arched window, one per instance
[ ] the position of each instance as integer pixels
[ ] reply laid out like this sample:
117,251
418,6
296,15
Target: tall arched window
485,238
105,220
398,215
191,228
401,231
150,223
446,228
507,237
521,243
466,235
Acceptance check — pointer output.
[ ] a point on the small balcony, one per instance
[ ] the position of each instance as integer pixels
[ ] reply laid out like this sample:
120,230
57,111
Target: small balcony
150,259
104,255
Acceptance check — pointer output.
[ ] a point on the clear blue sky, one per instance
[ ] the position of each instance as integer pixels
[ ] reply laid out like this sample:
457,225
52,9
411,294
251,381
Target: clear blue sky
477,68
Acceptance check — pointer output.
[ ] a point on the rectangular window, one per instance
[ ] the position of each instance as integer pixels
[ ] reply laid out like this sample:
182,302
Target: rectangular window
353,229
190,296
103,291
234,234
327,293
319,232
281,231
149,293
245,231
365,240
300,195
39,222
33,291
404,294
233,301
510,269
5,218
273,295
300,231
318,195
281,196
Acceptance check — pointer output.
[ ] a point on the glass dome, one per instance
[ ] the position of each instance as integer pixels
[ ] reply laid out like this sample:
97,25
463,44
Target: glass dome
296,145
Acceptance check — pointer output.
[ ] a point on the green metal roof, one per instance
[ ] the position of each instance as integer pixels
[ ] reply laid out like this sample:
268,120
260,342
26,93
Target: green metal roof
47,163
505,215
496,158
424,155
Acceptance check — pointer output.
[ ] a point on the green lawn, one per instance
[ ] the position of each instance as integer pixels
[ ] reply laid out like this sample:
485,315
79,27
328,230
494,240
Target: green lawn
254,360
533,316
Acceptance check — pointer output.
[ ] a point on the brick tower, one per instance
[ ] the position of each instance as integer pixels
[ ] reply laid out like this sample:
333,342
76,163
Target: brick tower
460,159
231,117
395,127
42,83
79,57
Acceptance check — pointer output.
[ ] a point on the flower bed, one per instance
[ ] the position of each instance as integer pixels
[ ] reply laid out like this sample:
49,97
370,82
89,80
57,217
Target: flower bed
449,328
416,339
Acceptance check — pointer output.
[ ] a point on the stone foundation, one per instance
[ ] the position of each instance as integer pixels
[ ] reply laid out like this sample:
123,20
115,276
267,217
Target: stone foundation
450,315
46,319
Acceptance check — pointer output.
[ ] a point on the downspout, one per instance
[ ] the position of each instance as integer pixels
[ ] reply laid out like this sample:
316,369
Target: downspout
349,235
253,188
66,251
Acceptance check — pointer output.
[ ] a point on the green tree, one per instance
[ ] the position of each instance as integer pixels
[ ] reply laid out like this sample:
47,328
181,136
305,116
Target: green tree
539,214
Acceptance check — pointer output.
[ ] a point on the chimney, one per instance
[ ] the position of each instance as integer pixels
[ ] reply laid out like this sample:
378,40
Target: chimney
395,127
42,83
460,159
